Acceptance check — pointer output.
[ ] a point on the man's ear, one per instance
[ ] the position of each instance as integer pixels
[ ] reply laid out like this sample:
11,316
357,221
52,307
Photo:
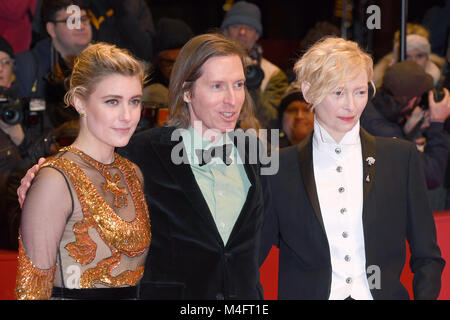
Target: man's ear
187,95
305,89
50,27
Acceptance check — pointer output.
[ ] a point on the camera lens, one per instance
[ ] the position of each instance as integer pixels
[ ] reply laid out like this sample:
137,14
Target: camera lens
254,75
11,116
438,95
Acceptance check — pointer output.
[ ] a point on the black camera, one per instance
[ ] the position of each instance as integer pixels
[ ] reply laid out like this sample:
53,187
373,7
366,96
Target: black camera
10,110
438,95
254,74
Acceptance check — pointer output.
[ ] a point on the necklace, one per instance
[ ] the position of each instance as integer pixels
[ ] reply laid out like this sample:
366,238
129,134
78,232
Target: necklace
112,182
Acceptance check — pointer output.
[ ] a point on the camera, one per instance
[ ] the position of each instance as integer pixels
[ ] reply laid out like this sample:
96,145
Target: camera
10,110
438,95
254,74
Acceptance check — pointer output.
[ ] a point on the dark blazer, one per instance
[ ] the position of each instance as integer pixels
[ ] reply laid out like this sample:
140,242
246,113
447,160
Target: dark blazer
31,66
187,257
395,209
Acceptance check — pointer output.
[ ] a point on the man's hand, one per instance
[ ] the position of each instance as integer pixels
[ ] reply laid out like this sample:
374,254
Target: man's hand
25,183
439,111
15,132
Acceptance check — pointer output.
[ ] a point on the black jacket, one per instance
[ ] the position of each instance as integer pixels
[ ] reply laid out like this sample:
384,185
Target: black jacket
127,24
33,66
187,257
395,209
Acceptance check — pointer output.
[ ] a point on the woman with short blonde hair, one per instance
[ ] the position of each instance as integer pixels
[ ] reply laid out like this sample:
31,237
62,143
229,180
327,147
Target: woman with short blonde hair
344,202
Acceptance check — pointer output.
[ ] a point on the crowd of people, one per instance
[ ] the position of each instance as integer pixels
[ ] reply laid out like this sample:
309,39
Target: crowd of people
139,224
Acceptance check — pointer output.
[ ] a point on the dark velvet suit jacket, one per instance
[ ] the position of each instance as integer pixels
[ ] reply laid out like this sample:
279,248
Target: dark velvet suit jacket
187,257
395,209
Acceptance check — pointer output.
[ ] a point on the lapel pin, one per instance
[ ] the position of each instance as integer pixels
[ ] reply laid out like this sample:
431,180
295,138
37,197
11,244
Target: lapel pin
368,178
370,161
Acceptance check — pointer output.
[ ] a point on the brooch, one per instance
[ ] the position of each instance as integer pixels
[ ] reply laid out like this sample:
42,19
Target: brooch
370,161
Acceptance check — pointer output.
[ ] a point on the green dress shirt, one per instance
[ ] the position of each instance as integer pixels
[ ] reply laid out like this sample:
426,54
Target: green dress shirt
224,187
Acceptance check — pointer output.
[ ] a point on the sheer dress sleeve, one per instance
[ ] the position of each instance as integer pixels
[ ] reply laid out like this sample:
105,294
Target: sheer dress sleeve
88,219
45,212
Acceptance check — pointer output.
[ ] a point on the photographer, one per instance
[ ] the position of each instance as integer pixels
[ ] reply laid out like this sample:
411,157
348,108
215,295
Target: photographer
418,49
295,120
14,148
41,71
394,112
265,81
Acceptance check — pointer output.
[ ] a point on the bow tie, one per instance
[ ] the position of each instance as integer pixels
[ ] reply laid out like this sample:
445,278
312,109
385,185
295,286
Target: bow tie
223,152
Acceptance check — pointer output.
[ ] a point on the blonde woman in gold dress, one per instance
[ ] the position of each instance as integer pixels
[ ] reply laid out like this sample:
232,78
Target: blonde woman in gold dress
85,228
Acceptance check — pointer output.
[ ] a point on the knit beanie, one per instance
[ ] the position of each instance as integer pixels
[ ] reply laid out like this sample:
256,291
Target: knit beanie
292,93
243,12
414,41
6,47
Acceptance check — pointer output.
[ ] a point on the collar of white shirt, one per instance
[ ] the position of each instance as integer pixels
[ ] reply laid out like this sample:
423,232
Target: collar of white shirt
321,136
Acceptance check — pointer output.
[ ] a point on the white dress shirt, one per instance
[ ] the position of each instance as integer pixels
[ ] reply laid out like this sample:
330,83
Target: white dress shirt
338,172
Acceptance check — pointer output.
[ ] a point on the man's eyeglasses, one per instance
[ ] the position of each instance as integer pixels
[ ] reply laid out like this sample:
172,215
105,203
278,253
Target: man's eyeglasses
83,19
6,62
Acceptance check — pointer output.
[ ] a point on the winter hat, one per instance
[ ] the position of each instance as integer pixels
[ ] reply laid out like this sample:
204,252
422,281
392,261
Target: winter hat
243,12
292,93
172,34
6,47
414,41
407,79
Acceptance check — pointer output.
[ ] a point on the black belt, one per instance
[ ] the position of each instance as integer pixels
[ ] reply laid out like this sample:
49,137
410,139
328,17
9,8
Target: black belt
125,293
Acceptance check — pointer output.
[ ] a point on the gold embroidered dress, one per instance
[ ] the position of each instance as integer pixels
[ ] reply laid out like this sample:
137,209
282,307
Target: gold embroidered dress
84,225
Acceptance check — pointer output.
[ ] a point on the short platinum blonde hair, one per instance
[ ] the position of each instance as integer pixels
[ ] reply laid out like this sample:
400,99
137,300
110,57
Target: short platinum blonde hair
328,64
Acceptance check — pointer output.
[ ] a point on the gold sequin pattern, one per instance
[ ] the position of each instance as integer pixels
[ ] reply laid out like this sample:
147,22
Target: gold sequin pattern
112,181
32,283
102,274
122,237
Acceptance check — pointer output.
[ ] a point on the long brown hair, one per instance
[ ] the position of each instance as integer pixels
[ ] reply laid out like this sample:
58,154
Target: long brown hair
188,68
